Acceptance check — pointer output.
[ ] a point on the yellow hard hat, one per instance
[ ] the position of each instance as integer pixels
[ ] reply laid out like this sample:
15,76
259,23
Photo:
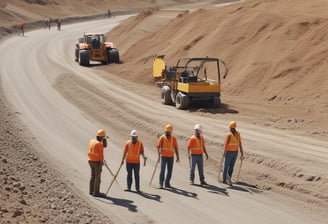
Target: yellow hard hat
101,133
168,128
232,124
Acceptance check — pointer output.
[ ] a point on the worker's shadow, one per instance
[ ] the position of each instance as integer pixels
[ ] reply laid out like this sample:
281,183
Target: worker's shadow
149,196
245,187
203,107
119,201
214,189
182,192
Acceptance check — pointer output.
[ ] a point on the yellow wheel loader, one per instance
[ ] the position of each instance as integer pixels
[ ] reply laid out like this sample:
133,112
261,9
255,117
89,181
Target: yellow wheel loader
191,80
94,47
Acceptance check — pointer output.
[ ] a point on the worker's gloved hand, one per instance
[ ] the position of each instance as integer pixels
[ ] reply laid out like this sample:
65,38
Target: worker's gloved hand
101,163
145,159
206,156
178,160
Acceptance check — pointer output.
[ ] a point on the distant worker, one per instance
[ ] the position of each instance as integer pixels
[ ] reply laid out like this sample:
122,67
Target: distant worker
232,143
109,13
59,21
21,27
167,145
132,150
96,157
196,149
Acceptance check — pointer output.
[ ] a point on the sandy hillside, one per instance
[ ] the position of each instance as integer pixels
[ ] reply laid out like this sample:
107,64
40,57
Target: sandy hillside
279,60
11,11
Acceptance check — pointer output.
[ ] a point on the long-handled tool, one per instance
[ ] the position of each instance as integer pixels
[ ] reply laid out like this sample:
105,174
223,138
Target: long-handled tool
114,178
221,166
106,165
152,176
241,163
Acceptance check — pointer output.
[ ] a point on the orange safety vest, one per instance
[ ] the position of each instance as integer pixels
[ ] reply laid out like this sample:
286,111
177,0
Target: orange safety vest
167,146
232,142
96,150
21,25
196,145
133,151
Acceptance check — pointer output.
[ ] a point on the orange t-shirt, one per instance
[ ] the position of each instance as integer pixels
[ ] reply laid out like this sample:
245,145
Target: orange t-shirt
167,145
96,150
133,151
196,145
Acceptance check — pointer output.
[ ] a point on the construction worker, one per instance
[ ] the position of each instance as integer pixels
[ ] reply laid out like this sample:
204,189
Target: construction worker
22,26
166,146
59,21
232,143
96,157
196,149
131,153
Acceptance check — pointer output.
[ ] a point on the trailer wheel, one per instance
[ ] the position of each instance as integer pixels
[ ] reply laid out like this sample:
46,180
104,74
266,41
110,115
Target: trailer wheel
84,57
181,101
166,95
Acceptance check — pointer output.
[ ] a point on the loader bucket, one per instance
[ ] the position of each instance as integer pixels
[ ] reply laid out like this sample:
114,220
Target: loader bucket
158,67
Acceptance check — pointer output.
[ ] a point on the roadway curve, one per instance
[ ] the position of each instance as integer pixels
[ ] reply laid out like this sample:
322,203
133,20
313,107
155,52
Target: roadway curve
64,105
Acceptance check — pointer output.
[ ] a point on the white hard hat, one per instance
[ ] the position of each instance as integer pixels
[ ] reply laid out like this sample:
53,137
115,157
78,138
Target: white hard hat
133,133
197,127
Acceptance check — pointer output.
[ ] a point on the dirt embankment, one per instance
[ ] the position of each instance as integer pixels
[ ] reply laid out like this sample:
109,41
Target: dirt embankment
276,64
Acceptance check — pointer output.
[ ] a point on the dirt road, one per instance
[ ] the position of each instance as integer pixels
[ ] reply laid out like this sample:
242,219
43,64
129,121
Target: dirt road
64,105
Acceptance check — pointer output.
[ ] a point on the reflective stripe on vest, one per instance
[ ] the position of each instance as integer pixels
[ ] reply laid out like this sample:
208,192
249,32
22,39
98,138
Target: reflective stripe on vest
233,142
199,147
167,147
92,154
130,155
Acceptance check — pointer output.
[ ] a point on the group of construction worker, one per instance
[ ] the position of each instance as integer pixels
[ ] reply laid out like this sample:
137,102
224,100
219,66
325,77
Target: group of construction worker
167,147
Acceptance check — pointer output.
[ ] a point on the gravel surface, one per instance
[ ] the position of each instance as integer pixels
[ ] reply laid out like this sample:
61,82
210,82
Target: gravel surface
31,189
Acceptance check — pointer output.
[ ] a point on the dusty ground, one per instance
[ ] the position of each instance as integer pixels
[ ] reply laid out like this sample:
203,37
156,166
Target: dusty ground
280,88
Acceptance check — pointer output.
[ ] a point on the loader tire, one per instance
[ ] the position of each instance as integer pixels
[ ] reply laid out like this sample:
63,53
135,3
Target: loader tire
181,101
84,57
113,56
166,95
77,54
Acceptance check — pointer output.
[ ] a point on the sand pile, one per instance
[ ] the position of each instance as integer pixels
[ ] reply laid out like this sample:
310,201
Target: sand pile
275,50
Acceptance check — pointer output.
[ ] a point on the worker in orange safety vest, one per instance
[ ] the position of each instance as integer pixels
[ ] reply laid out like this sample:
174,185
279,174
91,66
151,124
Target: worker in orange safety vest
21,27
95,159
232,143
167,145
196,149
131,153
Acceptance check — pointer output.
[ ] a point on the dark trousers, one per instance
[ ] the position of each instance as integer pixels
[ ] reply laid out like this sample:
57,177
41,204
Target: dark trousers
197,160
135,168
229,163
96,168
166,162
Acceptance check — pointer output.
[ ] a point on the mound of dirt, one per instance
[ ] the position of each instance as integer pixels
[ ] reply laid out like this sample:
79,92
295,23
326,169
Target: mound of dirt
279,59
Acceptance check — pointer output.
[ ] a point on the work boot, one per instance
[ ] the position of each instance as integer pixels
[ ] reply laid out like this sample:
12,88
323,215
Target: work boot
168,185
203,183
99,195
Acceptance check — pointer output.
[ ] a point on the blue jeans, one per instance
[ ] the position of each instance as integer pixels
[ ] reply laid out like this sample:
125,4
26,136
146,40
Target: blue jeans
229,163
135,167
166,161
197,160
